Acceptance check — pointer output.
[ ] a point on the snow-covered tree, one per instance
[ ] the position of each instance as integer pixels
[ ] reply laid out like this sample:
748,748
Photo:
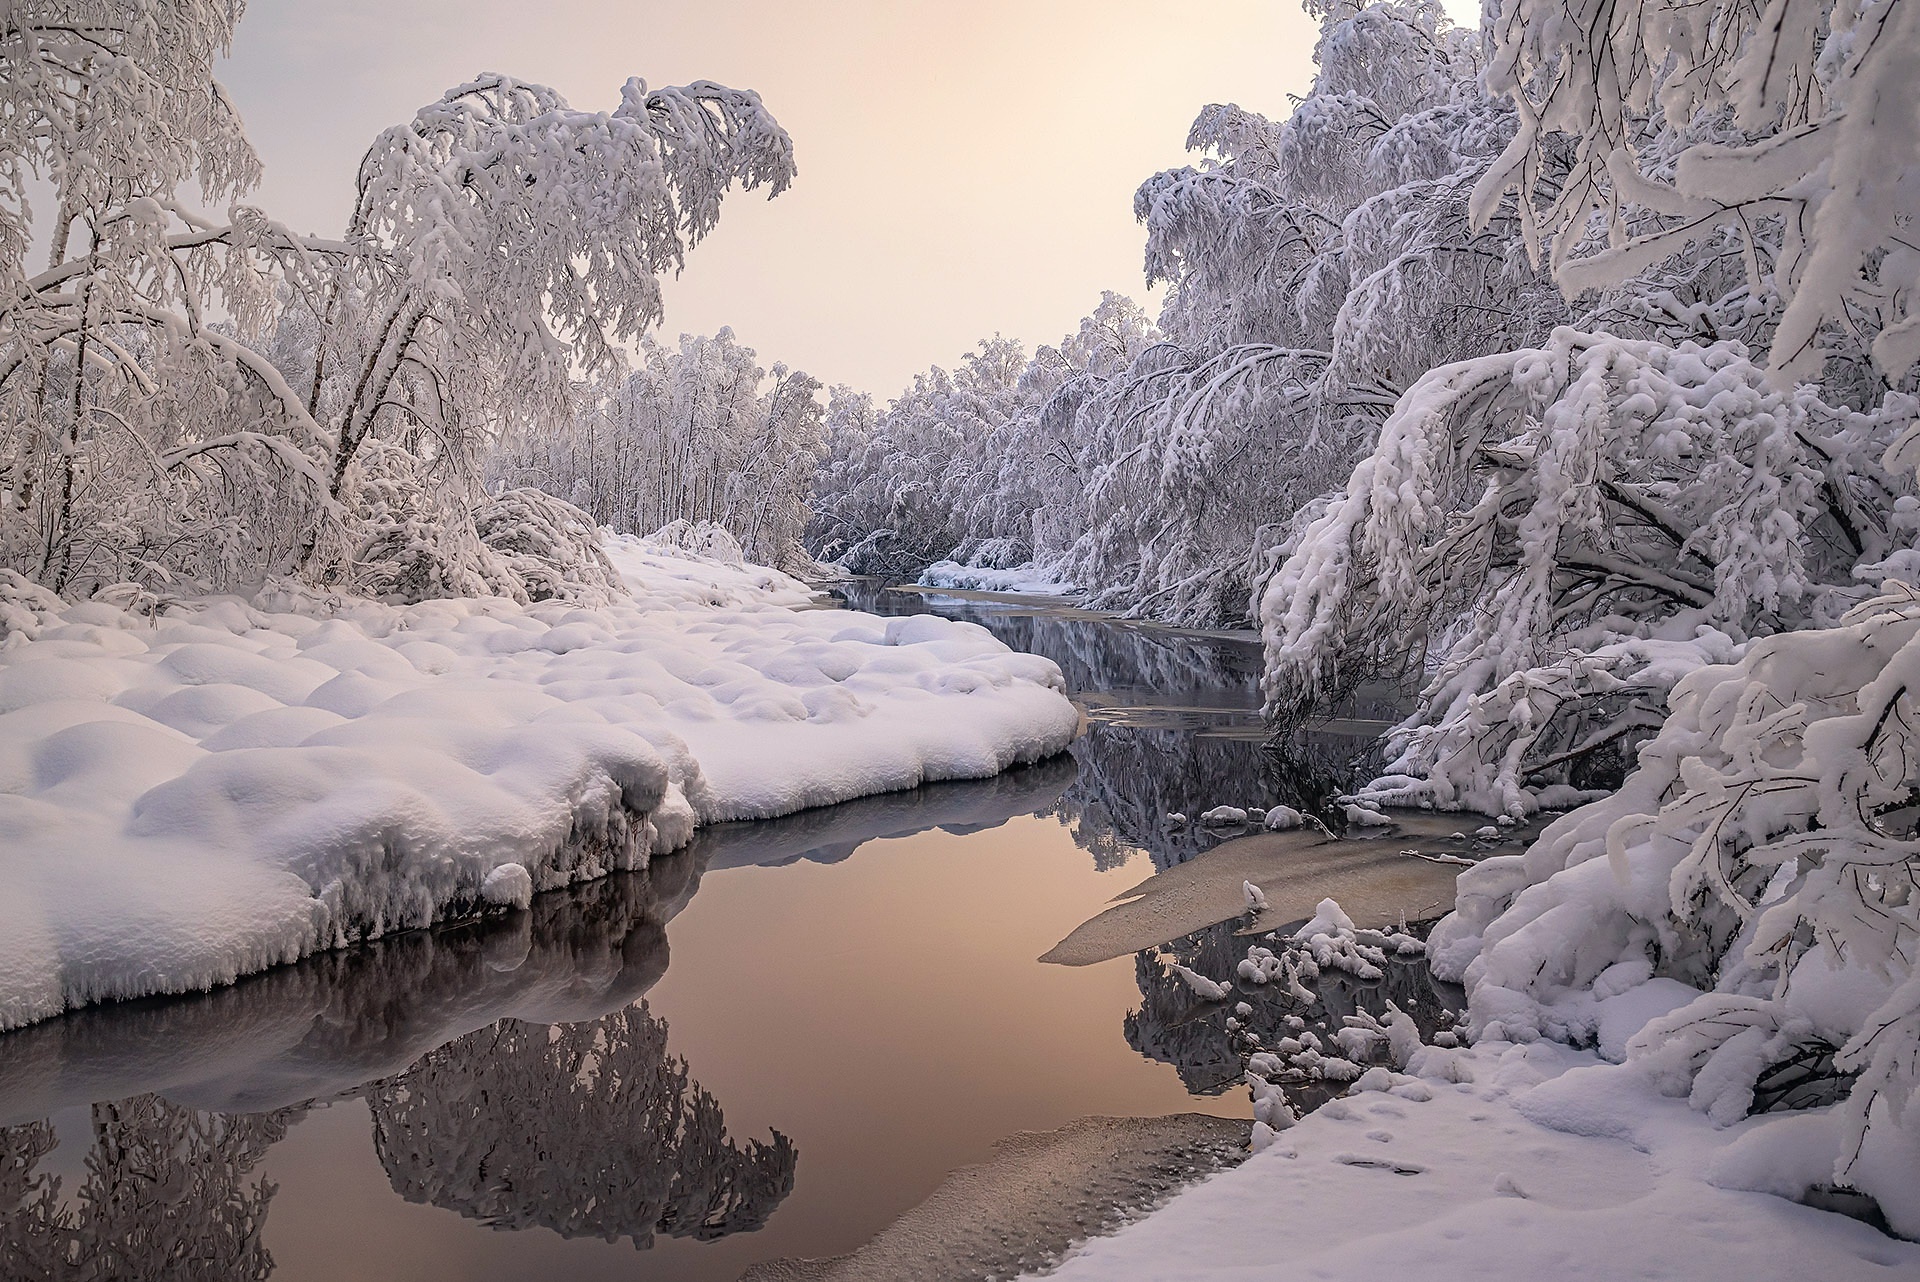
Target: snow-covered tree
512,244
210,401
141,436
696,433
1639,532
1320,265
897,490
1792,127
1562,530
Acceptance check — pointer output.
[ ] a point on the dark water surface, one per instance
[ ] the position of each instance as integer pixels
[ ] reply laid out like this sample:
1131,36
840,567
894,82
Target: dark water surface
770,1045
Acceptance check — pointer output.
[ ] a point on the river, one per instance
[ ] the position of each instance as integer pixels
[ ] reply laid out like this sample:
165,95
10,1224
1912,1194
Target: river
769,1047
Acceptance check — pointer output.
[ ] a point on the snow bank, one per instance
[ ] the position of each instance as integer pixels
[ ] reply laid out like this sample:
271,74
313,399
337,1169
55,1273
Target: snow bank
193,794
1527,1161
1028,578
1762,861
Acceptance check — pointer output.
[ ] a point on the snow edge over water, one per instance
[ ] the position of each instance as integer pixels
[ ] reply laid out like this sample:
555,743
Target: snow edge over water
193,794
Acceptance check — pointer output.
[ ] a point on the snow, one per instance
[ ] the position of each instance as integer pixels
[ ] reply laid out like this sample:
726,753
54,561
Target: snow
1026,579
1281,818
1207,990
1523,1161
214,789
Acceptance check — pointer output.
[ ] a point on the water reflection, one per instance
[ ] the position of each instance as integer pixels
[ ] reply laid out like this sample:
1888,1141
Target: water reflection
325,1025
1174,724
1175,1027
513,1073
166,1194
831,833
1115,666
1129,781
590,1130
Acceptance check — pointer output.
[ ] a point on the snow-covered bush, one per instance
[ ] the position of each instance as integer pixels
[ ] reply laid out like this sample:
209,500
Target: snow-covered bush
418,543
550,547
1565,531
1765,852
702,539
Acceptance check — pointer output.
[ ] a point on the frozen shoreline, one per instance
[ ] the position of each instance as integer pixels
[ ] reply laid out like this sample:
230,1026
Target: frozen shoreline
199,795
1541,1161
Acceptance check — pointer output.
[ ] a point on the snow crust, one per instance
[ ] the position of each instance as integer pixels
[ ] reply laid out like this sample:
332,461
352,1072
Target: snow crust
1527,1161
194,794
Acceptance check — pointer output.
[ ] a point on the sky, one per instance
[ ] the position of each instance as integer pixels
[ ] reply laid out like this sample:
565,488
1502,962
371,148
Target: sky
964,168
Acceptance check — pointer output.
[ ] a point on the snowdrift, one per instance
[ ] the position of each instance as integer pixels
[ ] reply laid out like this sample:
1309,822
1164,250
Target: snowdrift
1517,1161
193,793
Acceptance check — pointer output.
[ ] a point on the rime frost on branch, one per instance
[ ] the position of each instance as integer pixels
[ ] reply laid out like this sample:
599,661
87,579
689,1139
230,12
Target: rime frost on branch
1792,125
196,401
1565,531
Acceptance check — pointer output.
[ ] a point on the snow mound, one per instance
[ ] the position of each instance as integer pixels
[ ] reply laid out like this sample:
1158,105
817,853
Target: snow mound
192,795
678,566
1027,578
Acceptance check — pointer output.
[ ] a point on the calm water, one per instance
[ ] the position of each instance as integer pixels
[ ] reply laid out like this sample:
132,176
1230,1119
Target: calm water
769,1046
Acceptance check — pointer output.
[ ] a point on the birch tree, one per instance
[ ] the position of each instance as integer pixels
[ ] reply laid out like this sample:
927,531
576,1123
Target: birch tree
193,400
695,433
141,435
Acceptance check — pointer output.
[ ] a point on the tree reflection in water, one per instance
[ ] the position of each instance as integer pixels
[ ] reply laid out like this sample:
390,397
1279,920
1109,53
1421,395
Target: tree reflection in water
1174,724
166,1195
591,1130
1131,778
1175,1027
581,1122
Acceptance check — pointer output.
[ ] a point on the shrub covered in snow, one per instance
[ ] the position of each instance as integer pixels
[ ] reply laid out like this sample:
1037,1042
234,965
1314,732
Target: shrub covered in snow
550,547
1761,868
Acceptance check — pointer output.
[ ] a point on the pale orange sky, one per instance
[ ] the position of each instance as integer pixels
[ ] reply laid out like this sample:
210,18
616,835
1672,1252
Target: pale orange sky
964,168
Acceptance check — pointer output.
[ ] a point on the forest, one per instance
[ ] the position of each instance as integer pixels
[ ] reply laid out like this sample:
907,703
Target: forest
1564,371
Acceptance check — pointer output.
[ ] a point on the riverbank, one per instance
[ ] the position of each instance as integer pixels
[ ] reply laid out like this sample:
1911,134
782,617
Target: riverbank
216,787
1528,1161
